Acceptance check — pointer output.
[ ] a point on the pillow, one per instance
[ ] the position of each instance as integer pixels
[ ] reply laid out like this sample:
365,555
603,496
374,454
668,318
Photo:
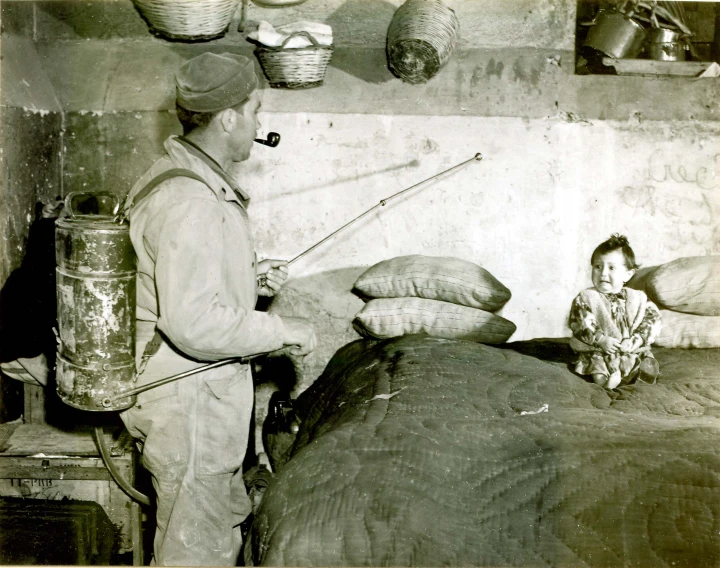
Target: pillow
391,317
447,279
638,281
688,330
690,285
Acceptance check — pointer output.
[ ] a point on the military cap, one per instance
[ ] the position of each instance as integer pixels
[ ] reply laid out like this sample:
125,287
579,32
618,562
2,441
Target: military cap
212,82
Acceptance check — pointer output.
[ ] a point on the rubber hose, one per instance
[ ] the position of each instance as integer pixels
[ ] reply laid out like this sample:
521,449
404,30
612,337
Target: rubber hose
115,473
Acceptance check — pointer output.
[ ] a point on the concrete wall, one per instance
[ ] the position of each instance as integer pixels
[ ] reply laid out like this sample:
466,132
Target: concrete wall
30,131
30,154
567,159
485,23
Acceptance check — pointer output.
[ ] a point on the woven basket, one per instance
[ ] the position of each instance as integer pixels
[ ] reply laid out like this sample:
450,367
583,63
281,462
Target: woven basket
421,38
189,20
295,68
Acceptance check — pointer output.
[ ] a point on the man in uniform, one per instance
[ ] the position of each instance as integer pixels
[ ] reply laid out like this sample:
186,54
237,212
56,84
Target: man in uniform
198,284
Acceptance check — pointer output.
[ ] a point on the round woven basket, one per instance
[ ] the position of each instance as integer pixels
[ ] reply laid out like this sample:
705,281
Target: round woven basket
295,68
421,38
189,20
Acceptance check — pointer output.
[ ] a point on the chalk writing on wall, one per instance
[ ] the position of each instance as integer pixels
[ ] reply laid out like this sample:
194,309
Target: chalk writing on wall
686,197
662,169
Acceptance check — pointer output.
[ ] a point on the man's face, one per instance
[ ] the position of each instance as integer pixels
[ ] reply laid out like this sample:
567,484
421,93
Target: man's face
246,128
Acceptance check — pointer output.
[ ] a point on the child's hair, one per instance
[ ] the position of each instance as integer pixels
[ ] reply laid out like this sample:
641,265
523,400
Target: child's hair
616,242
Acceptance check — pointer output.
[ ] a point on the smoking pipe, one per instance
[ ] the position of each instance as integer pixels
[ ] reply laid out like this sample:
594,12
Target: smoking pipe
273,139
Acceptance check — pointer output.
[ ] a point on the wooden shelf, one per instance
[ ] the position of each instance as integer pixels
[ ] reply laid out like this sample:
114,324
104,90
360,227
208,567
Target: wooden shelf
32,439
651,67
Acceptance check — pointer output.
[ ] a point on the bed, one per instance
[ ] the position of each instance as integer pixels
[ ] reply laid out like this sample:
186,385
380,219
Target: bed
419,451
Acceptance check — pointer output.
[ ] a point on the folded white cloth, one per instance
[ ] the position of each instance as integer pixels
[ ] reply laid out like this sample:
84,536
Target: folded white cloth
713,70
268,35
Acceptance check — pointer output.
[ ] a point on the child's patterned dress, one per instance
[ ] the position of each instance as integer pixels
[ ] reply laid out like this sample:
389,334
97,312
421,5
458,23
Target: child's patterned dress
624,315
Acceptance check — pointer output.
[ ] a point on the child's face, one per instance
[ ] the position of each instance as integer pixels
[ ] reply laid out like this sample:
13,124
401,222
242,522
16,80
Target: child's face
609,272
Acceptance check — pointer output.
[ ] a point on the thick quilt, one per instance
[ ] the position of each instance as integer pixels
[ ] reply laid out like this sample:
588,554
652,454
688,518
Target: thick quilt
423,451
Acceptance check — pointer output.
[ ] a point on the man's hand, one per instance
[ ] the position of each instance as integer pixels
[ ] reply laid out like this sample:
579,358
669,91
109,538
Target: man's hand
608,344
299,336
272,273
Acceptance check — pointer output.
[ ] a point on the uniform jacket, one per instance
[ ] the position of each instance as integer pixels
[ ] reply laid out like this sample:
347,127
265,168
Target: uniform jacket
194,245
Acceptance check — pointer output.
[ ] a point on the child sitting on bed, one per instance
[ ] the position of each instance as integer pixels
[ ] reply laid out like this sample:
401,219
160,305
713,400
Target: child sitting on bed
613,326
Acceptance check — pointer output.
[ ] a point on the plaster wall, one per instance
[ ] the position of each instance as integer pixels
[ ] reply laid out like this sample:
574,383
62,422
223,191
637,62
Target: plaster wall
531,212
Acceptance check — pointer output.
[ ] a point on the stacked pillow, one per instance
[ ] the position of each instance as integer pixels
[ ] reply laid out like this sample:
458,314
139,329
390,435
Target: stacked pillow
687,291
438,296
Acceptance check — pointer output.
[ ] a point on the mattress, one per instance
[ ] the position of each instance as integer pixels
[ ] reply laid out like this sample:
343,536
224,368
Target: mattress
420,451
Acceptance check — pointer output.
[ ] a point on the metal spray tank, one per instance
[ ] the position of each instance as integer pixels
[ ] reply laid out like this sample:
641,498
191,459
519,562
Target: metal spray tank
96,270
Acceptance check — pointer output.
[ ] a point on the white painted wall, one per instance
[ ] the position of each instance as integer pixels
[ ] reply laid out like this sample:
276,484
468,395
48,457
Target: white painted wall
531,212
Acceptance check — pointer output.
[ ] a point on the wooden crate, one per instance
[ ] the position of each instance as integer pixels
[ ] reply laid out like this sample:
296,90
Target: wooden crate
42,462
49,532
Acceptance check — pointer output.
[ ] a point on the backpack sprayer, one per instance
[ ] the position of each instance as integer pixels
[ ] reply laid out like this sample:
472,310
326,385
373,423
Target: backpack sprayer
96,274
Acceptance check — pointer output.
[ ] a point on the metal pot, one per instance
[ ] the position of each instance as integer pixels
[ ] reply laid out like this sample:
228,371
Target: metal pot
616,34
665,45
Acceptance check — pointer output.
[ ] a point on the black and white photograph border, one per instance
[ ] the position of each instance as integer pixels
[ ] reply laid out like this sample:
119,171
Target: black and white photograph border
438,175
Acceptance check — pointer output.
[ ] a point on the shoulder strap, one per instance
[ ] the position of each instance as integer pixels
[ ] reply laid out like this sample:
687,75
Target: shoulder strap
156,181
153,346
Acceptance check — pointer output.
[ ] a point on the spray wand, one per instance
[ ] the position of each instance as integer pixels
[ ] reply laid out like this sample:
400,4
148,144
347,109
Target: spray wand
262,280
